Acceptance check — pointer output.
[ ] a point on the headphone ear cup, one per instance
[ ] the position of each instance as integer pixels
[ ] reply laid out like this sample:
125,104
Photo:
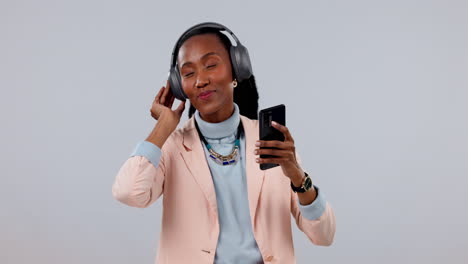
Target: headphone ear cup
176,85
241,62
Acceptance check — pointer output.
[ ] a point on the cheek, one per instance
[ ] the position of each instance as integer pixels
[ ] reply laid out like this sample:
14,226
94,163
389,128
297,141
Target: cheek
222,76
186,84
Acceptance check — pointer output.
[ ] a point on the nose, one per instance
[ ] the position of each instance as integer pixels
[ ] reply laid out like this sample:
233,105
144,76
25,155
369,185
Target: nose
202,81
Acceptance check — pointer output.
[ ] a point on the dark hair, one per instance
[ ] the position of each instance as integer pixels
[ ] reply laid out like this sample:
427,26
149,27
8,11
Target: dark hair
245,94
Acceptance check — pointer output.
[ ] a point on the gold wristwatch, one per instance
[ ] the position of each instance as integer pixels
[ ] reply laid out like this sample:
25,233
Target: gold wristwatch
306,185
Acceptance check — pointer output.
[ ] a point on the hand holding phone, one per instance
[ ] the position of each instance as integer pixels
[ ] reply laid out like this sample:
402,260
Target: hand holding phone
268,132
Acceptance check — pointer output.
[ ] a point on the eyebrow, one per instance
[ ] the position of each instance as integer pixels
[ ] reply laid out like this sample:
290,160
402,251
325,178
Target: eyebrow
202,57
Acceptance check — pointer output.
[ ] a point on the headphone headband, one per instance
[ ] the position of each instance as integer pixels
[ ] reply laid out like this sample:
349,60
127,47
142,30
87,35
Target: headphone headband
213,25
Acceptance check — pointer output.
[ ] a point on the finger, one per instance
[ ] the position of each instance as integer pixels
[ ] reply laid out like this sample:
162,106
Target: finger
287,145
283,129
171,102
158,96
271,160
169,98
180,108
167,90
274,152
163,96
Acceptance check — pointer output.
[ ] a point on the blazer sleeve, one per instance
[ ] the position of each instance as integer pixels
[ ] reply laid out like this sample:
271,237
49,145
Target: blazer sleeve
316,220
140,180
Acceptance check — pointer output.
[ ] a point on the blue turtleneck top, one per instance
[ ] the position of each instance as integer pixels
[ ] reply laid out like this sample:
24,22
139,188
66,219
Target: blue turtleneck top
236,242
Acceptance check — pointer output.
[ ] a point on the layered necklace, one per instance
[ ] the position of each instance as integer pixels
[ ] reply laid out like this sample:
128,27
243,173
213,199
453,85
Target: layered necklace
224,160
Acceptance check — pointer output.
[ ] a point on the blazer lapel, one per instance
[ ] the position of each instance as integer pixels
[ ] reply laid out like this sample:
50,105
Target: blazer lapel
254,174
195,159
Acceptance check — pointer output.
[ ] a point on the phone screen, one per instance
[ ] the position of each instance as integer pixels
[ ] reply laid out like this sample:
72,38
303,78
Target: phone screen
268,132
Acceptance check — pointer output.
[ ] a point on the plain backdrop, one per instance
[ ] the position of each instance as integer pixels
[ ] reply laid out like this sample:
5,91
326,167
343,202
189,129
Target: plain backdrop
376,97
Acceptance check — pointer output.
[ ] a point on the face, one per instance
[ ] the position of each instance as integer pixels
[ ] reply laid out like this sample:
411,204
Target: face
205,72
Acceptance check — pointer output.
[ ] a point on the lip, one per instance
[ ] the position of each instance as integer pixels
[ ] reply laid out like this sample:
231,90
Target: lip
206,94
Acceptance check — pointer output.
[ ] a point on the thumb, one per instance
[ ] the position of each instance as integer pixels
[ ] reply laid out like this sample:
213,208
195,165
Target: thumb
180,108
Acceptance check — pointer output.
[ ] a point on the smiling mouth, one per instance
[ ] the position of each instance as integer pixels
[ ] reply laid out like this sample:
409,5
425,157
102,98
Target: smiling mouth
206,94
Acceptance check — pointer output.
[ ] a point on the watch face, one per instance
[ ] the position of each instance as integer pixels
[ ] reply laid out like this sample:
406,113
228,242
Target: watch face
308,183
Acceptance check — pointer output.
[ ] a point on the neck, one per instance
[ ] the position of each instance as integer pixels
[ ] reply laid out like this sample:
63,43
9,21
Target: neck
219,116
220,129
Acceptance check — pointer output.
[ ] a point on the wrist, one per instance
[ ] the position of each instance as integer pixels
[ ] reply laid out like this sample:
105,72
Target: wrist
304,186
159,134
298,179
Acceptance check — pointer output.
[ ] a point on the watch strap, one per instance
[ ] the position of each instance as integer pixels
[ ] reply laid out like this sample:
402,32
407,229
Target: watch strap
301,188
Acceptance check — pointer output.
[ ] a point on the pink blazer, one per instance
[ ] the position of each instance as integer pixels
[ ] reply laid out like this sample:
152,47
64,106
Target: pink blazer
190,227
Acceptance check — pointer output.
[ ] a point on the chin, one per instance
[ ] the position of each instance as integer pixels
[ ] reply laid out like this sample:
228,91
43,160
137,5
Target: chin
208,108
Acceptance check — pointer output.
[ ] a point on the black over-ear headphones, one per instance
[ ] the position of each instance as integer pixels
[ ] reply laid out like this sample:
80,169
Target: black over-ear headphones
240,59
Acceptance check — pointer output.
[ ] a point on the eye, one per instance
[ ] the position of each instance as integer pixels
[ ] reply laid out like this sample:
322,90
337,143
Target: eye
188,74
212,65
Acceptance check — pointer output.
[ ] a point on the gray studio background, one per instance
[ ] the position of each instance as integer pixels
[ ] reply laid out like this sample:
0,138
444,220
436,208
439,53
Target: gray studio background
376,96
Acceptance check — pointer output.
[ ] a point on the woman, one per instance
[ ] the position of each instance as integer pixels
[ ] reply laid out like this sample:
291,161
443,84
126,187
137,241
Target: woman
231,212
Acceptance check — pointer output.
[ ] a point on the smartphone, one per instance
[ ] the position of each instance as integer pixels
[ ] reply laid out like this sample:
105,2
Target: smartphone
268,132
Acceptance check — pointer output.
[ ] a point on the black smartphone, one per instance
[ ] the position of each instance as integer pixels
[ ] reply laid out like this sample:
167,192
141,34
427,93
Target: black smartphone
268,132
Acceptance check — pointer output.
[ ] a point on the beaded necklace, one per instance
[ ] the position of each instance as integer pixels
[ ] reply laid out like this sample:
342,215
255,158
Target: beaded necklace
218,158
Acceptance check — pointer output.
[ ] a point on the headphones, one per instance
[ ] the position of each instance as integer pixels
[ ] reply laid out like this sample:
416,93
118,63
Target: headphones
239,55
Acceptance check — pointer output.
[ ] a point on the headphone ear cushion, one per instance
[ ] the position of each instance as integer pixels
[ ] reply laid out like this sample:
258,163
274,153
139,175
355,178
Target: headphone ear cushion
241,62
176,85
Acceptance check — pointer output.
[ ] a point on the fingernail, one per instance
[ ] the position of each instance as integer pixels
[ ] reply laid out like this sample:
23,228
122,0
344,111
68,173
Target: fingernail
274,123
256,160
257,144
256,151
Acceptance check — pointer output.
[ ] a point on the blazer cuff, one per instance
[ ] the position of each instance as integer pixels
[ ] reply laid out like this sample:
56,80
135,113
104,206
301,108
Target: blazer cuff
316,208
148,150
